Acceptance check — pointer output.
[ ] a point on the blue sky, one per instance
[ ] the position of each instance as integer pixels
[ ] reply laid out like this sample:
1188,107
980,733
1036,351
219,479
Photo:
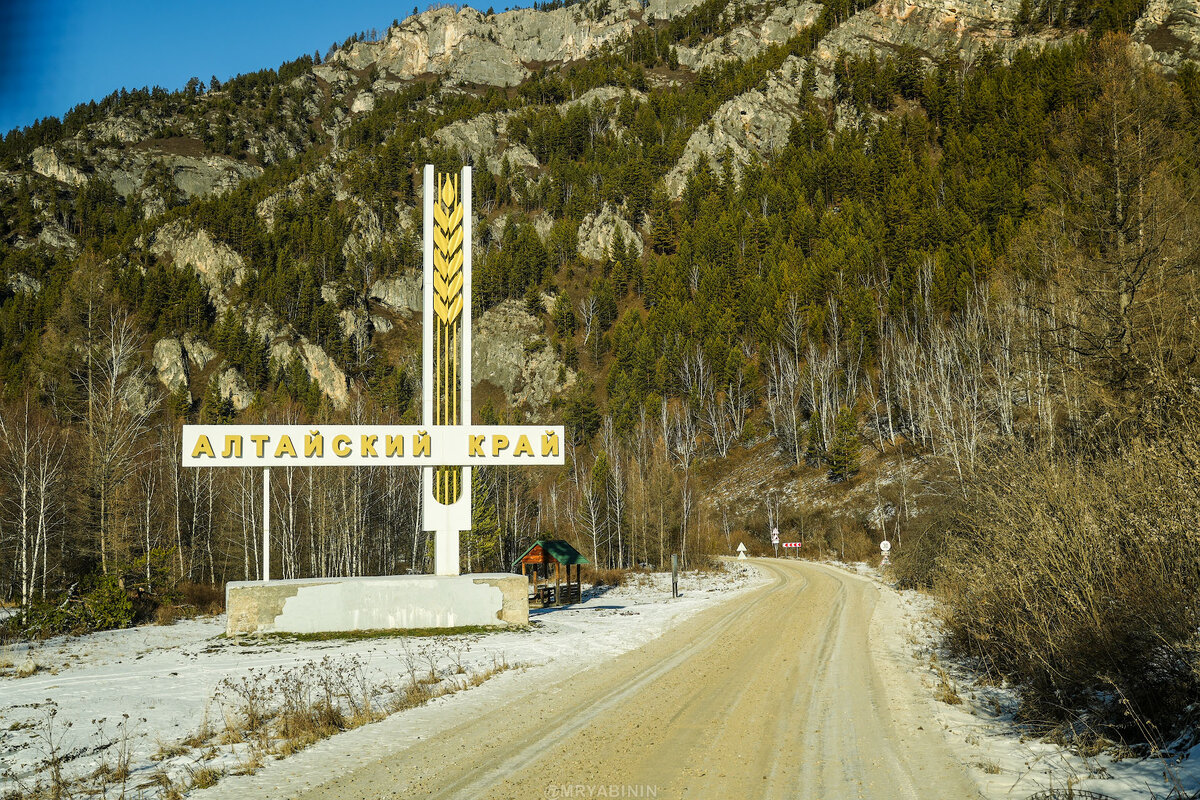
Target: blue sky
57,53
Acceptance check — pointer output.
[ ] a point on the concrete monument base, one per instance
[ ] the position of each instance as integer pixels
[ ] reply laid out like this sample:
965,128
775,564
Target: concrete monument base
329,605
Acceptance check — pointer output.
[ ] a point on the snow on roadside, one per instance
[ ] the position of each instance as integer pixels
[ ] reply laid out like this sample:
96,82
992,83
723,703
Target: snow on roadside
165,678
1006,758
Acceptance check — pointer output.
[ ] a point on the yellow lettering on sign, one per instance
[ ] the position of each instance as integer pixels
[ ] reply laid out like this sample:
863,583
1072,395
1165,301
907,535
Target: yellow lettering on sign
285,447
475,445
314,444
341,446
203,447
550,443
233,447
524,448
260,442
395,445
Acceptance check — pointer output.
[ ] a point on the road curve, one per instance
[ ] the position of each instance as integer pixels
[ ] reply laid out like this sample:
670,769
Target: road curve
773,694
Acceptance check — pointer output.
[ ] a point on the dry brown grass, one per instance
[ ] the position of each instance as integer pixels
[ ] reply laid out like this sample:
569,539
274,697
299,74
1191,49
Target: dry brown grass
946,691
1078,579
270,713
284,710
603,577
205,777
168,614
204,598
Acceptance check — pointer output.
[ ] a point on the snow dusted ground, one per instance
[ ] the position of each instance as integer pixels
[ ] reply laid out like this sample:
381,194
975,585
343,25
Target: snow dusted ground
1006,758
165,679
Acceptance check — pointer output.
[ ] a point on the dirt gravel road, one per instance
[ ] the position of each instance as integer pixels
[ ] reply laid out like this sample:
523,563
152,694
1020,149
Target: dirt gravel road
777,693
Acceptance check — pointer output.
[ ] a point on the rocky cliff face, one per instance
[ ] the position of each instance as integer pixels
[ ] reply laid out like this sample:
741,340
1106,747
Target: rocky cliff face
170,365
128,170
220,269
400,294
1169,32
598,231
484,138
932,26
218,266
755,124
508,352
496,50
751,126
773,24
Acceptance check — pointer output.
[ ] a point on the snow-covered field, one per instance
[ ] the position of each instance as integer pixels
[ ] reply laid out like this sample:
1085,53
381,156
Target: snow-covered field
165,679
1006,758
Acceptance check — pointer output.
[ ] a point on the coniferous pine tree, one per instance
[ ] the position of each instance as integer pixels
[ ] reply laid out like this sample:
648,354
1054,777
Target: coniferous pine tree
843,450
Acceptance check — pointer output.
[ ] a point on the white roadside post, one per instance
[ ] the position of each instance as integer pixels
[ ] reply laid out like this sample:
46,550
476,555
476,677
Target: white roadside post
741,551
446,520
266,575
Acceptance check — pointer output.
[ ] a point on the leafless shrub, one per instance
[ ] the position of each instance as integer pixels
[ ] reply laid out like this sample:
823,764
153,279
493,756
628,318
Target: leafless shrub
459,647
1078,578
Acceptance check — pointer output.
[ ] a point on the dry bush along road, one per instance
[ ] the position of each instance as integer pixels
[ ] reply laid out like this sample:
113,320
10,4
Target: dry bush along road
779,692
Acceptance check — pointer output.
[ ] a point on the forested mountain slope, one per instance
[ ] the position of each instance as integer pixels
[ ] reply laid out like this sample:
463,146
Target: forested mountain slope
823,265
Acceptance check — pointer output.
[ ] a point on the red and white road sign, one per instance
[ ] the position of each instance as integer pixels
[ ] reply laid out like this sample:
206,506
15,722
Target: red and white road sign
792,544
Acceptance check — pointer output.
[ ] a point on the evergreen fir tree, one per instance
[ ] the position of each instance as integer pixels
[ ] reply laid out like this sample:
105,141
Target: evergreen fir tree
843,450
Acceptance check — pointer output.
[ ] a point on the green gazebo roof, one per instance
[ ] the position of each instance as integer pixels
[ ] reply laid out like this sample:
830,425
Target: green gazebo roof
557,549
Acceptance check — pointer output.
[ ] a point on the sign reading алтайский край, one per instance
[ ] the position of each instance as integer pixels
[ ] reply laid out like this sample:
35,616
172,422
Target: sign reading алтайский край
370,445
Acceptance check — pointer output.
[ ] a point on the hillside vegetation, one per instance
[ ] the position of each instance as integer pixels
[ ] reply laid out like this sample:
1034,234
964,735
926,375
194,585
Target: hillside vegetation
943,292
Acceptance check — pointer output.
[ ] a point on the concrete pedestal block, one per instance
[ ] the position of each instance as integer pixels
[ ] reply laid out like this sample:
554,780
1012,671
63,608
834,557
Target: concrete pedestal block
330,605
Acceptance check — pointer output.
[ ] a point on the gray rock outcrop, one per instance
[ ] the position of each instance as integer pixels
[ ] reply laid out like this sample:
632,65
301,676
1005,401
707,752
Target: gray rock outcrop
1169,32
232,387
126,168
598,231
469,47
53,234
780,23
23,282
931,26
46,161
170,365
751,126
198,351
288,346
400,294
218,267
506,352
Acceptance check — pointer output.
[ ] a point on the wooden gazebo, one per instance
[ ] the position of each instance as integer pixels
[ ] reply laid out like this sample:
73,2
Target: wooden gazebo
536,563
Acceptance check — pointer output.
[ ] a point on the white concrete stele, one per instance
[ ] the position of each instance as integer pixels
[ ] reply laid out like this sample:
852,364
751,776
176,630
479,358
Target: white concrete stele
446,599
446,521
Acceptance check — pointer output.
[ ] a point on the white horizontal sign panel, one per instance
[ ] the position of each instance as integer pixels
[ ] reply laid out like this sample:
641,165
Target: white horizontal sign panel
371,445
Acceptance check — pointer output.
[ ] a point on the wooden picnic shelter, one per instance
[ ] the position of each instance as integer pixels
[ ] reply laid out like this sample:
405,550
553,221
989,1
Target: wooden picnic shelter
536,564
